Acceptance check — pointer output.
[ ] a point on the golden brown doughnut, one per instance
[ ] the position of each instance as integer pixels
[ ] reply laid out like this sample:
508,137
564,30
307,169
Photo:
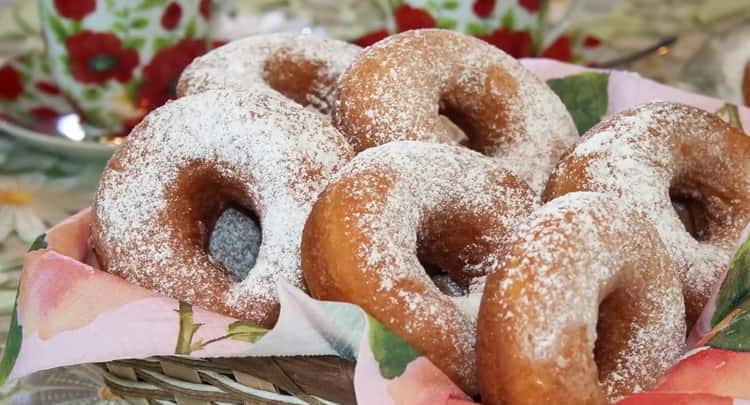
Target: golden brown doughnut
584,308
398,88
164,188
660,153
405,202
302,67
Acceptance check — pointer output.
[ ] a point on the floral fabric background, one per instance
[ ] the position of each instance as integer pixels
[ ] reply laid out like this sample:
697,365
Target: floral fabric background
119,60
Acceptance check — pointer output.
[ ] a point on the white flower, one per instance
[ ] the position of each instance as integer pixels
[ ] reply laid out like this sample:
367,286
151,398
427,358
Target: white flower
29,204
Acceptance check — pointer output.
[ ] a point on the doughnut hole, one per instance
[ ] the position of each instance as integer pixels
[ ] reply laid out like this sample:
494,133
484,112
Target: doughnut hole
235,241
614,328
196,201
451,246
296,79
470,109
704,212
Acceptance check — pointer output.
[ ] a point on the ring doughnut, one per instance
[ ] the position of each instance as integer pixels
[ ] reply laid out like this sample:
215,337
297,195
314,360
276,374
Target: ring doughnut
400,88
584,308
302,67
164,188
400,204
660,150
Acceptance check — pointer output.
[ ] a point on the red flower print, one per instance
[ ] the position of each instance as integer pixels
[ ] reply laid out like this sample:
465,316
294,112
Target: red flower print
560,50
10,83
44,113
217,43
371,37
161,74
515,43
96,57
483,8
205,8
47,88
531,5
410,18
590,41
171,16
75,9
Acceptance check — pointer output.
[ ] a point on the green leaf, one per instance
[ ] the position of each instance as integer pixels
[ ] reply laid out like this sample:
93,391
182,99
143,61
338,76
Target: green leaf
134,42
450,4
736,335
162,42
508,20
245,332
585,96
92,93
75,26
446,23
475,28
119,27
736,285
190,29
12,346
187,329
139,23
389,350
57,28
38,243
149,4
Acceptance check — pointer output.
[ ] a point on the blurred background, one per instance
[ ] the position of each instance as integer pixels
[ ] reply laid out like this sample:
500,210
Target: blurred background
54,139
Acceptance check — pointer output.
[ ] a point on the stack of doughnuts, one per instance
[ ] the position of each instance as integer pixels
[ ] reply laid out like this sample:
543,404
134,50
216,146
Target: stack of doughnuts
436,183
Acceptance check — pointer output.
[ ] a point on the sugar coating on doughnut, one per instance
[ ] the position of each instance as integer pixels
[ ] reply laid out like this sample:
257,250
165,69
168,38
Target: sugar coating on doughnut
428,178
261,139
640,153
241,64
586,216
395,89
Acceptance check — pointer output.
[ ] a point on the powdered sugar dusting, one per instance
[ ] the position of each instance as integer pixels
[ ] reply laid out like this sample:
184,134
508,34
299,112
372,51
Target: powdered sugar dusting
280,152
241,64
396,89
639,154
564,261
427,180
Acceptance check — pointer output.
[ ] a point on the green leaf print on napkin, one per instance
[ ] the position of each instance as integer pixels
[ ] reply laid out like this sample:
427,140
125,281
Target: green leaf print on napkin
187,329
736,335
245,332
585,96
12,346
38,243
389,350
736,285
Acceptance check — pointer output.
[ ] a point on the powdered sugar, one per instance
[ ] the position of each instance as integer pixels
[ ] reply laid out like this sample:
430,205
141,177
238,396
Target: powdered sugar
638,155
433,191
563,262
279,152
396,89
241,64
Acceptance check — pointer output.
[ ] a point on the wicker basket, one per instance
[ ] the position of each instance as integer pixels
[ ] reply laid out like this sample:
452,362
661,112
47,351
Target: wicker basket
251,380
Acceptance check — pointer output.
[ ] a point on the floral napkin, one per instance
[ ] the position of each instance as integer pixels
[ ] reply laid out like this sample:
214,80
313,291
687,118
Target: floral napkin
69,312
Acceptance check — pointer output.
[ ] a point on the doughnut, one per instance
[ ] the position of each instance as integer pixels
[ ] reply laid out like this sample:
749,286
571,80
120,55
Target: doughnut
401,87
400,208
660,153
301,67
584,308
164,188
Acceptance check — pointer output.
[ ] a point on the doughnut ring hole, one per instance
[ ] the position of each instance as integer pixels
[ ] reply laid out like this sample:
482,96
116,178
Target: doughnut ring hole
203,195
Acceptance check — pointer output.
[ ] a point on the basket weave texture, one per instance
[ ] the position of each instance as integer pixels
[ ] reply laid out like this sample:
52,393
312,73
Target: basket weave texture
252,380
